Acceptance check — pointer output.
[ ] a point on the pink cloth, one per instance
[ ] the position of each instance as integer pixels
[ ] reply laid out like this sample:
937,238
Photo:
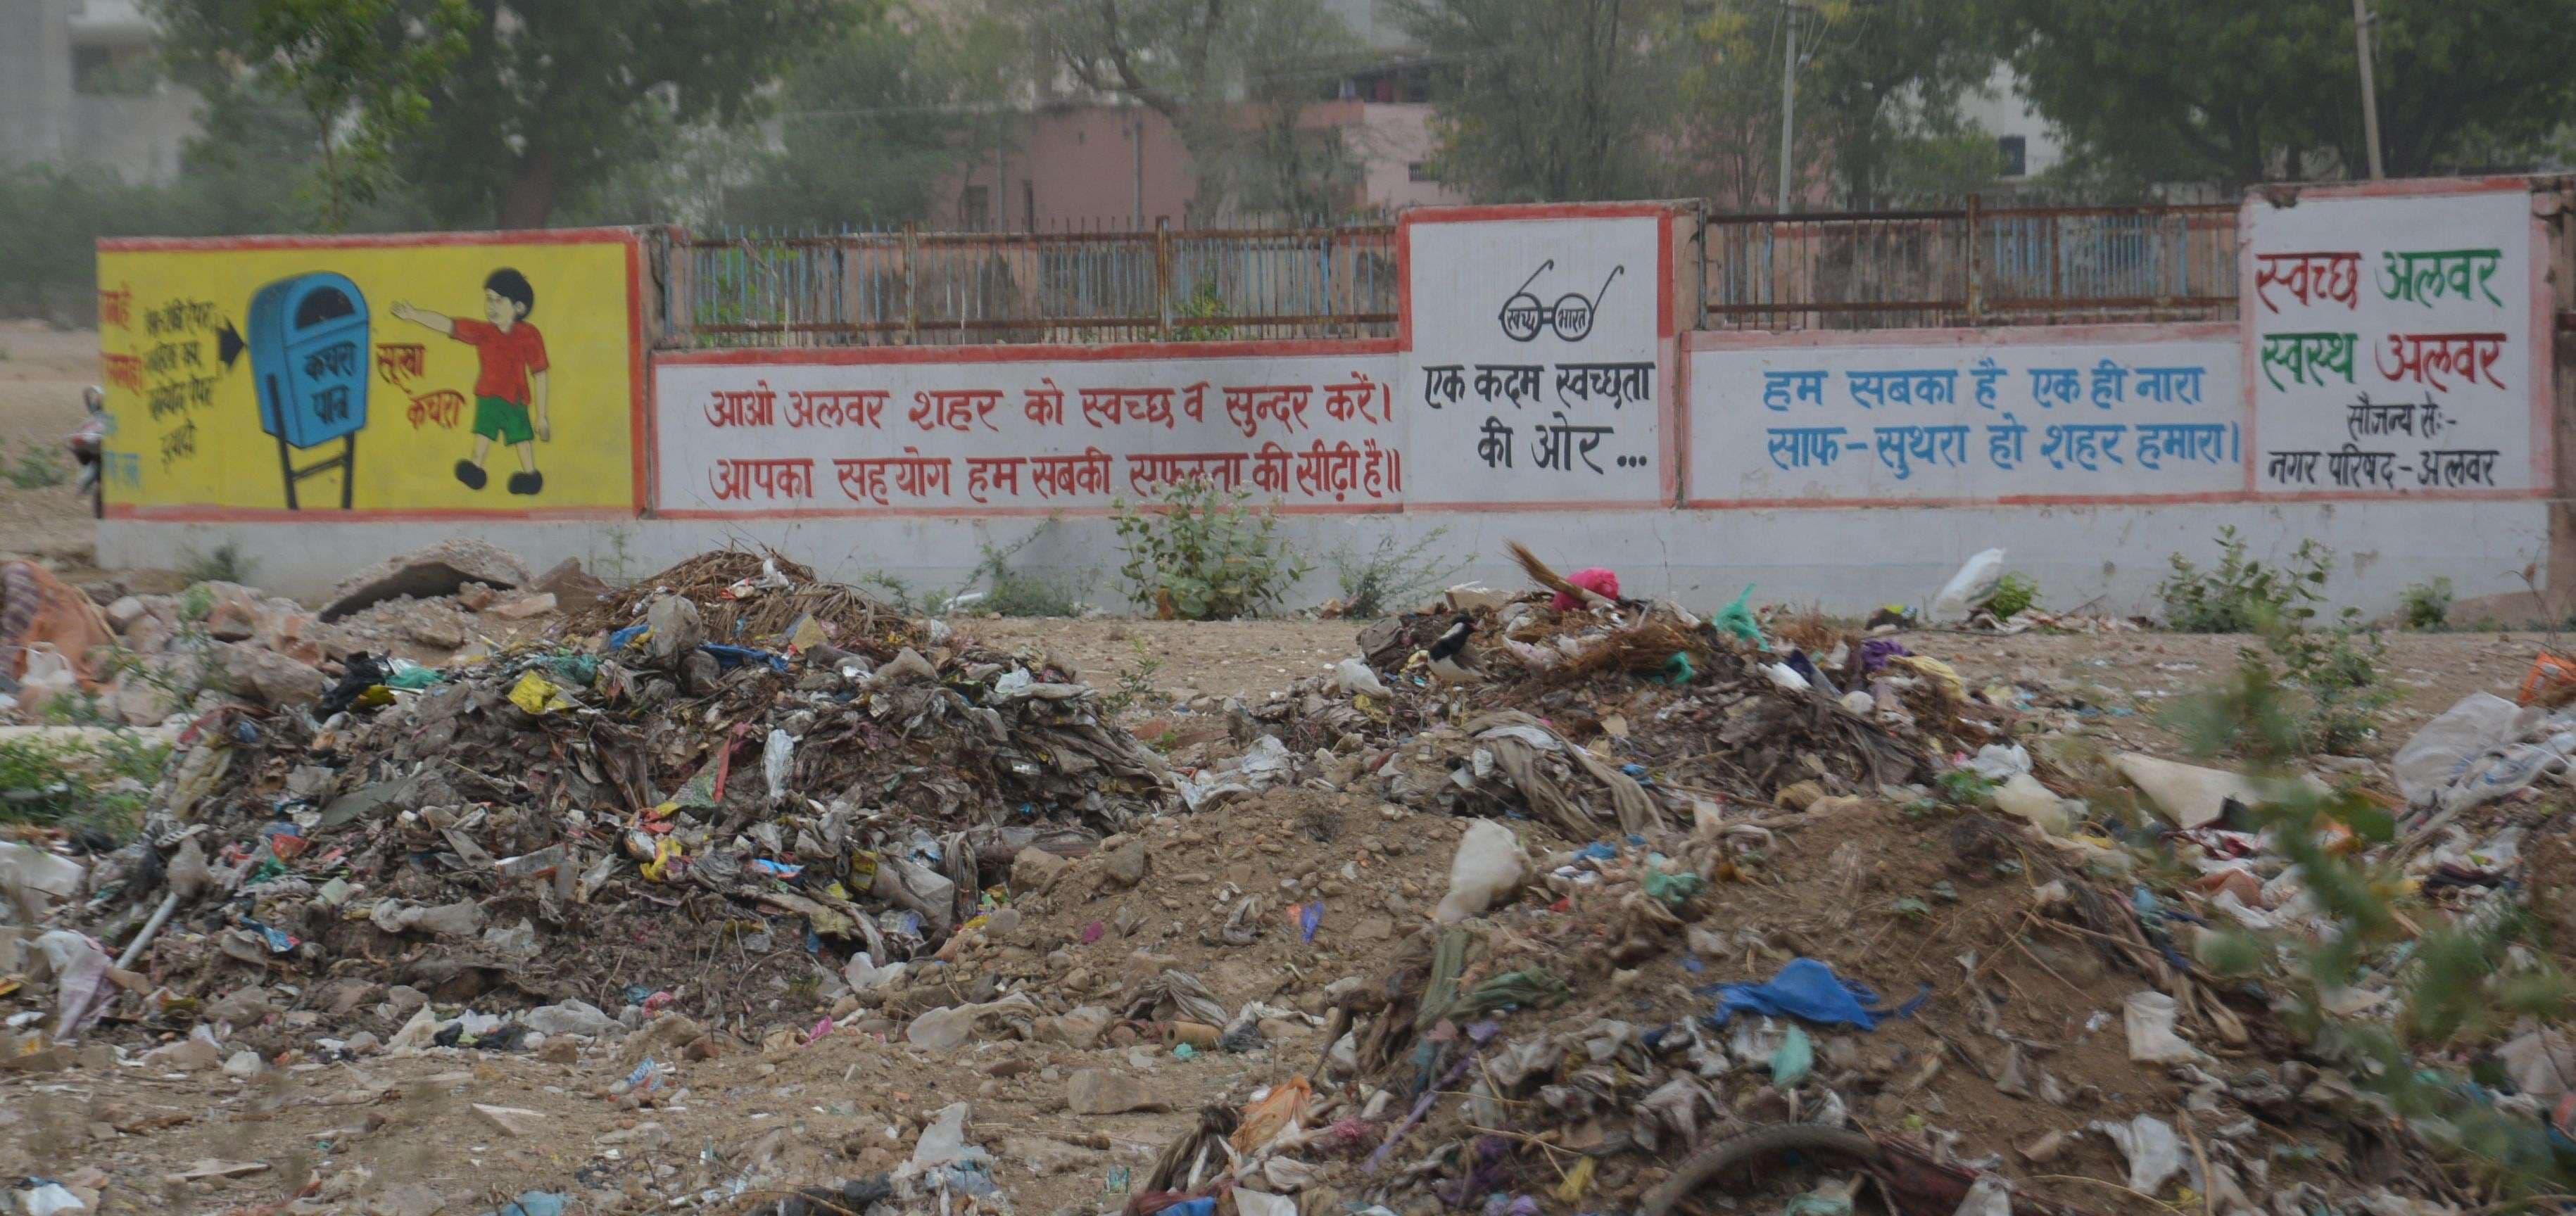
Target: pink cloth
1593,579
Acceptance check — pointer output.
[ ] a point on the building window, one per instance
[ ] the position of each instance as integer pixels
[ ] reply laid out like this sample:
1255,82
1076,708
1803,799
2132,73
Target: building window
1419,171
975,209
93,69
2016,152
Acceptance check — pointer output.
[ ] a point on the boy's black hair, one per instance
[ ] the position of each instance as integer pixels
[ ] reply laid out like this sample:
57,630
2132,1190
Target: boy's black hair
512,286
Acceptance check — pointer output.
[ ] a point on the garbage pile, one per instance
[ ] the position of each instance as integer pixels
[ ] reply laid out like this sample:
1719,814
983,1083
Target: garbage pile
745,784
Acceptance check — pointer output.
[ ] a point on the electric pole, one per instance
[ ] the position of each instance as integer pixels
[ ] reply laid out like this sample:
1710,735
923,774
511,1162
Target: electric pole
2369,91
1789,97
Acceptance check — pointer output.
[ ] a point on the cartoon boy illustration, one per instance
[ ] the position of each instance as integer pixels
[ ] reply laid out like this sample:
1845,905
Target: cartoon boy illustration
512,379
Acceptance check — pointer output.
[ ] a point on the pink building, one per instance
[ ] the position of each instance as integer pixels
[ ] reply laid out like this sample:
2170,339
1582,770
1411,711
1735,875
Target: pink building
1085,163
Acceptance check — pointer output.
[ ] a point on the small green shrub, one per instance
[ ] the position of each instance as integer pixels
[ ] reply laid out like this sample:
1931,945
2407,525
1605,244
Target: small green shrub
1009,592
2337,673
77,786
36,469
2426,605
1388,576
1136,680
2243,595
1201,554
2014,594
225,563
1193,314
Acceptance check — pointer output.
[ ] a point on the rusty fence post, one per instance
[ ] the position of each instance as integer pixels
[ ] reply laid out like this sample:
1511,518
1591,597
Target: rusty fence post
1163,276
911,285
1976,260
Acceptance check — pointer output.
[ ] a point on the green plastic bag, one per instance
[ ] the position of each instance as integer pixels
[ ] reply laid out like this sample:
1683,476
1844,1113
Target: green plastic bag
1793,1059
1737,619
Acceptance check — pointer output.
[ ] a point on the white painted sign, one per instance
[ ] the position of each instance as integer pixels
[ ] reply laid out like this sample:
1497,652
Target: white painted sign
1538,359
977,434
2395,344
1962,415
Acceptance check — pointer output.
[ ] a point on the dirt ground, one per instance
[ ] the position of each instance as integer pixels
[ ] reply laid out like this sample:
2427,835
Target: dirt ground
405,1137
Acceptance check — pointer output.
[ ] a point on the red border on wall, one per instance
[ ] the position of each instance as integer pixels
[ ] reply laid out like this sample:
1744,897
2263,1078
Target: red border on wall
639,381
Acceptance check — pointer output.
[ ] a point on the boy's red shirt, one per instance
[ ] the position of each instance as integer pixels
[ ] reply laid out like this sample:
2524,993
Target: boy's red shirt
507,357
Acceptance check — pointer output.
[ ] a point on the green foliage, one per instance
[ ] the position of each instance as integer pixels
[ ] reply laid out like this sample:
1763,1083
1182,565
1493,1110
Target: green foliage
1388,576
1196,313
1963,787
1135,680
2243,595
225,563
2014,594
358,70
2460,985
2338,672
2426,605
1201,554
36,468
2238,92
1555,102
1009,592
101,786
874,119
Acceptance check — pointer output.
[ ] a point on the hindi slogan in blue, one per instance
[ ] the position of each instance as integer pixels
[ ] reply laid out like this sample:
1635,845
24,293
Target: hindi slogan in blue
2141,418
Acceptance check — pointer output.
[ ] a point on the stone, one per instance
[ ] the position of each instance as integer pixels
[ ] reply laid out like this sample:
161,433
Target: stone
429,627
1097,1091
232,613
573,587
703,1047
559,1051
1126,864
520,608
186,1055
243,1064
571,1017
512,1120
438,570
363,1043
408,1199
1034,868
1041,1155
475,597
264,675
125,611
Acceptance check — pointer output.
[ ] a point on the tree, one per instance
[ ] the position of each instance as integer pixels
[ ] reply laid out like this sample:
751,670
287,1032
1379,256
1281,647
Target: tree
2240,91
1562,100
553,96
1236,78
1885,86
869,125
359,71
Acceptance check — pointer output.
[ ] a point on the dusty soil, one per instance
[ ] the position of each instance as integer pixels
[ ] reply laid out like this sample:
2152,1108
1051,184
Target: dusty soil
42,371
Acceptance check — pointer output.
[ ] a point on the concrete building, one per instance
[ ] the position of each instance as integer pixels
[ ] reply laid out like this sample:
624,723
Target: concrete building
78,87
2030,145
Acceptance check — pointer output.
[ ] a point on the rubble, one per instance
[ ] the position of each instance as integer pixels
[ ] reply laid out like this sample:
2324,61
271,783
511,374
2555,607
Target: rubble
442,569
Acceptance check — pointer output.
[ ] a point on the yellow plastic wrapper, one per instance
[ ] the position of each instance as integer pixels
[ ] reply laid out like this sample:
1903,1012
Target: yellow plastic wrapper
1577,1180
1935,670
665,851
537,694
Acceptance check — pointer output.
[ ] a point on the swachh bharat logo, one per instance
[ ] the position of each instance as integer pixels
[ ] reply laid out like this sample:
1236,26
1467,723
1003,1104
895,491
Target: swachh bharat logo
1524,317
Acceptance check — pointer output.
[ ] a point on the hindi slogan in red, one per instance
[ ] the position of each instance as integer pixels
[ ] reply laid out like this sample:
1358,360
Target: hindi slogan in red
1054,435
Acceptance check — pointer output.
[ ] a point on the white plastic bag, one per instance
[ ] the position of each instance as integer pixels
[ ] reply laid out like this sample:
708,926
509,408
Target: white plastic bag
1969,587
1488,864
2154,1152
2150,1021
2443,748
1356,678
775,761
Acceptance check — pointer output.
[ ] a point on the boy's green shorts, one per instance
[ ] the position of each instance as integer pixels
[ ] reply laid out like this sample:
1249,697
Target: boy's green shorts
506,421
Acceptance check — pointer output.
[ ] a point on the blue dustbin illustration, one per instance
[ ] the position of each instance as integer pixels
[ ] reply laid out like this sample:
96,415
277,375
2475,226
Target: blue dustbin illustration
308,355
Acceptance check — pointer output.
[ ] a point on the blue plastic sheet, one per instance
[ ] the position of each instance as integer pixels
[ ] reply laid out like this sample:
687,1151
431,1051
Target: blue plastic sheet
1809,991
730,657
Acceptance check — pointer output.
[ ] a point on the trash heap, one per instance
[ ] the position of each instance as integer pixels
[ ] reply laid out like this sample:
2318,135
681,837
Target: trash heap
1762,910
741,784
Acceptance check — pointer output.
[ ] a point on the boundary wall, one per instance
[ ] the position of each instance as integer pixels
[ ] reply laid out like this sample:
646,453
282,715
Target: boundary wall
2390,389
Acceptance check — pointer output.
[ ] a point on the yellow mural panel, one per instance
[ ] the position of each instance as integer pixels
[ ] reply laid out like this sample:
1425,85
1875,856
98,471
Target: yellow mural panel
429,375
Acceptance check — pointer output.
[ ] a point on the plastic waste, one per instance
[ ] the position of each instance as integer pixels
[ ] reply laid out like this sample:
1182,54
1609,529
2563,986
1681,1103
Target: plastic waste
1262,1203
2154,1152
1488,864
1989,1195
1354,677
2189,795
1737,618
536,1203
2024,797
776,761
1785,677
944,1141
45,1198
1793,1059
2441,751
1969,587
2149,1017
1805,989
1998,762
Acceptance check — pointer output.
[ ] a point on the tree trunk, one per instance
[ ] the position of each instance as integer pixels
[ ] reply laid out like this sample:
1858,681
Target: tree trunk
531,197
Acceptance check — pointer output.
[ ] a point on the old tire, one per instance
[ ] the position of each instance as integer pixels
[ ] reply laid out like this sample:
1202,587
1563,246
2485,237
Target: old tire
1745,1148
